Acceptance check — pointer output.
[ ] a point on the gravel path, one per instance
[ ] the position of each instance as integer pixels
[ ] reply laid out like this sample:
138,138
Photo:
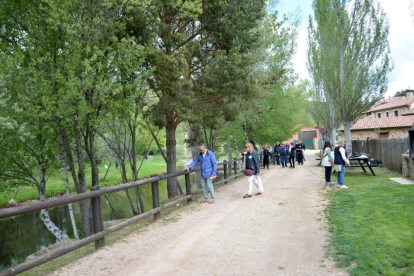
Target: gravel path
282,232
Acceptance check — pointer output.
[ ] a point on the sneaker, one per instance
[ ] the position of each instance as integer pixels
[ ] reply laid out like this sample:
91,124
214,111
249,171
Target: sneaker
343,187
330,184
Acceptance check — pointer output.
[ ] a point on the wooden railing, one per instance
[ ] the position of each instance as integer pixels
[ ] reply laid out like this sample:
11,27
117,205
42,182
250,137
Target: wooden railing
99,232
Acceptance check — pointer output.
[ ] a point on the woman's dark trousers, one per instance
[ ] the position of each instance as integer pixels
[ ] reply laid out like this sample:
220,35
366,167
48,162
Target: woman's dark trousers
328,171
292,161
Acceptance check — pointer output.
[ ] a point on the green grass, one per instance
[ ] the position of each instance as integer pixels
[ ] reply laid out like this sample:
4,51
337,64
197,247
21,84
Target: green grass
372,224
55,184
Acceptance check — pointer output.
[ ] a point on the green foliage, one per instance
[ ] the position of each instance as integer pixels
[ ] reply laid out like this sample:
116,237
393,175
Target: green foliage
371,225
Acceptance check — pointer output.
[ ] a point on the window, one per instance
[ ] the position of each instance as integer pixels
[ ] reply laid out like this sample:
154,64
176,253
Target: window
379,115
384,135
388,114
396,113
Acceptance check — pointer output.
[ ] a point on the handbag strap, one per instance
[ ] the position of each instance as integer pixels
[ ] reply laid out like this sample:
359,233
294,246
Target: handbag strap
322,159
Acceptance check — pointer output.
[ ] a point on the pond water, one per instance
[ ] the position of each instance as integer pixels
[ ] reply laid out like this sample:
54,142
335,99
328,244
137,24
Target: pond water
24,235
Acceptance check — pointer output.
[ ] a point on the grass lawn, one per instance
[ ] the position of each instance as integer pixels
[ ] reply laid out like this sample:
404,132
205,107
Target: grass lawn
55,185
372,224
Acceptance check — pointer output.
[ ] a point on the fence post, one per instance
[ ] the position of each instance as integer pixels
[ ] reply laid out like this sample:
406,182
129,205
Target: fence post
225,171
188,186
97,217
235,167
155,196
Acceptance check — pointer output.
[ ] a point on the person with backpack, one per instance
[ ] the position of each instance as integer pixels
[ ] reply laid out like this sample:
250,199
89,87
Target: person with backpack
292,154
284,155
252,170
340,160
328,161
265,156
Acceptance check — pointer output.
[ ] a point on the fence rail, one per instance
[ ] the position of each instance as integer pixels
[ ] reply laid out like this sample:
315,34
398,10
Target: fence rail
99,233
389,151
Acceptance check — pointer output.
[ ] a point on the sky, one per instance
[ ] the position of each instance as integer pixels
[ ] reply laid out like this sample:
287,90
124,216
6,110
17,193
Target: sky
401,39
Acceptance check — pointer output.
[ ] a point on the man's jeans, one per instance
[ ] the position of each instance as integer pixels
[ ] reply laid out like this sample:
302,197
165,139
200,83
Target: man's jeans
341,175
206,185
284,160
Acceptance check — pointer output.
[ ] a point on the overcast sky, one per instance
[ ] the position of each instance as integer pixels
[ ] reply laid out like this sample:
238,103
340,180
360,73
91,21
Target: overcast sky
401,41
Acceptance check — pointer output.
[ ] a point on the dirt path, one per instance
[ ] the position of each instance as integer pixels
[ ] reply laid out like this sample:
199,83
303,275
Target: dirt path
279,233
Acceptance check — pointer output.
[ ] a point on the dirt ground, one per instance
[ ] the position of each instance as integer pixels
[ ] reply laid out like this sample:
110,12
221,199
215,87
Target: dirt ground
282,232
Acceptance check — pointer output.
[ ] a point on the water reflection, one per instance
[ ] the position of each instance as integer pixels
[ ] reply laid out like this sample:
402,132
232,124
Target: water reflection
26,234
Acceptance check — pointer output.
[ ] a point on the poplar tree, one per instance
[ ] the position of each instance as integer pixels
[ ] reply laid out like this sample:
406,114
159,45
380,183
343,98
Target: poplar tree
349,56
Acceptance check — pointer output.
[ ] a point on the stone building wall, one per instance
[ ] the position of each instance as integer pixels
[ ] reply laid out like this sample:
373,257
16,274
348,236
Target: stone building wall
374,133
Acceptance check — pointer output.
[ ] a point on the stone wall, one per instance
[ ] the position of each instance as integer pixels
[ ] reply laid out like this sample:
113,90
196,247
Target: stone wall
407,166
374,133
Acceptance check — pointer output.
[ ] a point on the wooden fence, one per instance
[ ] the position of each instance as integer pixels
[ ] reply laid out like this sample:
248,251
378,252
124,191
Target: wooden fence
95,195
389,151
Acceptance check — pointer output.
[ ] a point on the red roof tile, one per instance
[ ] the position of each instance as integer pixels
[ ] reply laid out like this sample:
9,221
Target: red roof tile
391,103
389,122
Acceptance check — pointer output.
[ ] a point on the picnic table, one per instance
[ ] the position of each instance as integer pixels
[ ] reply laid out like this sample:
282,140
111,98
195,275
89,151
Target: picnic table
361,161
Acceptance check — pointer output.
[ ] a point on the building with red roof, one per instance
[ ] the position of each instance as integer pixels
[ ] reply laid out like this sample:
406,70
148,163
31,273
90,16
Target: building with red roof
388,118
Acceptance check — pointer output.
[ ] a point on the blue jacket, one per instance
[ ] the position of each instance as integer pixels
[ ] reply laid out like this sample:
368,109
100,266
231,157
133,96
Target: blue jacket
286,151
208,164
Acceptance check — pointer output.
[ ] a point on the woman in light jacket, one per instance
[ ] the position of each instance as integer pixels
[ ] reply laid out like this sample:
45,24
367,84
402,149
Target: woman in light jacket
340,160
327,161
252,162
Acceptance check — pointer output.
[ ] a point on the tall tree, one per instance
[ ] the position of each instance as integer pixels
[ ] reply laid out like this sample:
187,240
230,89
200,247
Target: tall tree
349,49
189,35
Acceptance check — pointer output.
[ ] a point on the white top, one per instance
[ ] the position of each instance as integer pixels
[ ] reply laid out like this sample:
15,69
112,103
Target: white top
325,160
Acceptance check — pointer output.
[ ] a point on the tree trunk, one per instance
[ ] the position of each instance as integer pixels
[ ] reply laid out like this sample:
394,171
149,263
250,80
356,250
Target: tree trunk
90,149
333,137
125,180
134,166
245,131
123,171
172,183
72,217
194,149
348,137
134,212
331,119
107,170
44,213
229,144
237,152
78,179
157,142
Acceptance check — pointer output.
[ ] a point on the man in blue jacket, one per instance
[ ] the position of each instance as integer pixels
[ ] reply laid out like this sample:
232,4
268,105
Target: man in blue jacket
208,165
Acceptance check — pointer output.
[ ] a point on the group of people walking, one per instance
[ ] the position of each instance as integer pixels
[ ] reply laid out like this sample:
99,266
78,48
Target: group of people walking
333,159
285,153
